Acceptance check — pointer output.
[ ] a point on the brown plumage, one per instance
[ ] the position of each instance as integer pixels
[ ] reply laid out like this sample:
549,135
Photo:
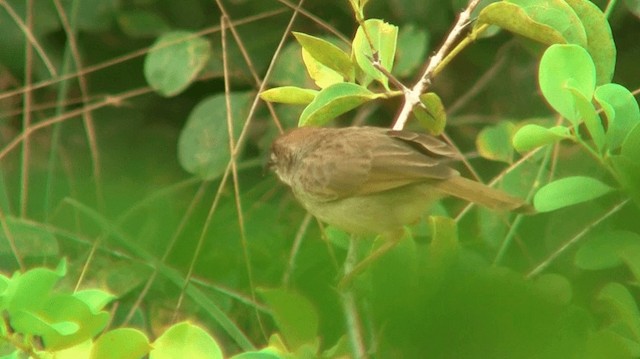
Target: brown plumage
373,180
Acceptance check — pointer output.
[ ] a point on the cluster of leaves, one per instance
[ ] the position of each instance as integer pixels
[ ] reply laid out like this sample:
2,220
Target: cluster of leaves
48,323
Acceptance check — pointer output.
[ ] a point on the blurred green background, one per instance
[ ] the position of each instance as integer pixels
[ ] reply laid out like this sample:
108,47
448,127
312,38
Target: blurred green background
106,188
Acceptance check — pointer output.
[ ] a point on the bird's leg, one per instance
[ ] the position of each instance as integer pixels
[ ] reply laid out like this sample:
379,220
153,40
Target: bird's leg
391,240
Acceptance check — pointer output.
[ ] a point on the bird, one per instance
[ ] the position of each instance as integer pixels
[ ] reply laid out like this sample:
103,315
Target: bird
373,180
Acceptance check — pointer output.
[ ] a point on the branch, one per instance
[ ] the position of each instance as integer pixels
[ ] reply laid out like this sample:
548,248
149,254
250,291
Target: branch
412,97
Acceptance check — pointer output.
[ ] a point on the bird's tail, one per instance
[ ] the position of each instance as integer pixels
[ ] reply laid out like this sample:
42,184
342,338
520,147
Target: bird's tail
481,194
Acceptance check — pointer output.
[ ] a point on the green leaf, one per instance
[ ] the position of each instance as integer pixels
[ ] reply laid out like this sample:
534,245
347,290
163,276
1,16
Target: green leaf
96,299
588,114
334,101
568,191
599,38
322,75
555,286
603,250
513,18
121,343
30,290
631,257
431,113
266,353
413,43
621,109
327,54
62,321
141,23
622,306
531,136
174,61
626,164
289,95
494,142
82,350
563,67
294,315
631,144
558,15
185,340
203,146
384,38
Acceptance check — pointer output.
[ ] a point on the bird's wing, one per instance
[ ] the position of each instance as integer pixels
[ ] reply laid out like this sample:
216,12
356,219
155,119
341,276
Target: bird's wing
373,161
337,167
408,158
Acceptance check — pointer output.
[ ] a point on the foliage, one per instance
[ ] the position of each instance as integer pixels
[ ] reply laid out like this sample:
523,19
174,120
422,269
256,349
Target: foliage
133,136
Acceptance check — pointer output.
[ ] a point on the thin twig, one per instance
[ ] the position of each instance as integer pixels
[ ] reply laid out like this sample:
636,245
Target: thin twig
133,55
571,242
354,328
30,38
108,101
323,24
11,240
87,117
172,242
26,121
224,20
245,54
302,229
412,98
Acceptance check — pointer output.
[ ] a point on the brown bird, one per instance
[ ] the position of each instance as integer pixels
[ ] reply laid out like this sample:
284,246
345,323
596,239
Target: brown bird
370,180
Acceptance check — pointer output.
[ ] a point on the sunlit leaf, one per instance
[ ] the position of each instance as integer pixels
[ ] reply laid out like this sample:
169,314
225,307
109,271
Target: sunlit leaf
121,343
599,38
548,22
383,38
334,101
322,75
563,67
94,298
531,136
327,54
431,113
568,191
185,340
266,353
621,109
29,291
588,114
557,14
289,94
